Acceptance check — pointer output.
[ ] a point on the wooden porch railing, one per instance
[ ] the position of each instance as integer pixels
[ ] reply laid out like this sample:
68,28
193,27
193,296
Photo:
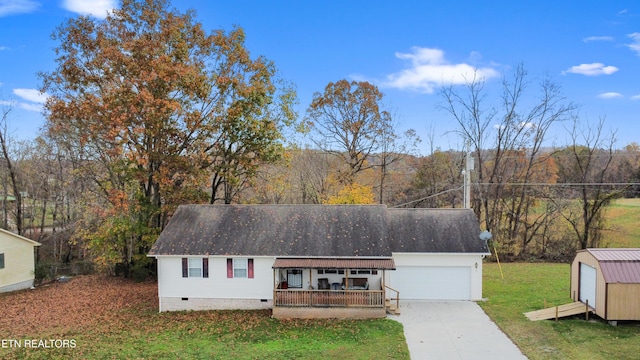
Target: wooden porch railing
329,298
397,298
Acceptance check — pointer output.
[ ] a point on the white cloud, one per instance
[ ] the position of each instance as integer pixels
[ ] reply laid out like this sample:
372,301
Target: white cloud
610,95
10,7
32,95
635,45
34,99
30,107
527,125
593,69
13,104
97,8
597,38
635,97
429,69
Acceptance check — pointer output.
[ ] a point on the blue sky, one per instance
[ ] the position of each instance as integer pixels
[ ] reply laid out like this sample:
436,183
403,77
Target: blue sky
406,48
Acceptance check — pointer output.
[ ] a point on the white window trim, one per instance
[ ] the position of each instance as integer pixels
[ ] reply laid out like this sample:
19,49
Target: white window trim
241,264
192,262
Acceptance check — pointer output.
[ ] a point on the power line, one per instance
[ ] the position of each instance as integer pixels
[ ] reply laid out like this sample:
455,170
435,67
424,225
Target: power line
517,184
430,196
560,184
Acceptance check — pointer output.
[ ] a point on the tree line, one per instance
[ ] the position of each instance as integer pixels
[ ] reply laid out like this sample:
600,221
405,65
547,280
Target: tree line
147,110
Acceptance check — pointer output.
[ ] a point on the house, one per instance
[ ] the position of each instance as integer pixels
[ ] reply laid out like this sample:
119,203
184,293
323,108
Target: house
17,261
609,280
316,260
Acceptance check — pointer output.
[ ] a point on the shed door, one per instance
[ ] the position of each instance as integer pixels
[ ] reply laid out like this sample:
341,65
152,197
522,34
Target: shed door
432,282
587,289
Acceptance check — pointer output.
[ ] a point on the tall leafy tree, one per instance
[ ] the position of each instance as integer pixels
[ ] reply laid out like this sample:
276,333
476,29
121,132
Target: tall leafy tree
348,121
157,105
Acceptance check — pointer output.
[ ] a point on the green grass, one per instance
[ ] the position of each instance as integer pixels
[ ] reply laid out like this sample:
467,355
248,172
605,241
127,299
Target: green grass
230,335
525,288
622,219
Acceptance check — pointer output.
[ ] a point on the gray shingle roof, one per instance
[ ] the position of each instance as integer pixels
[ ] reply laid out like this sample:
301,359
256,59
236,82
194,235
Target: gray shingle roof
275,230
316,231
435,230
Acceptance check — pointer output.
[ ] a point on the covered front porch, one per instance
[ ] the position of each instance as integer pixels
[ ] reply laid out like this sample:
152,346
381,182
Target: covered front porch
330,287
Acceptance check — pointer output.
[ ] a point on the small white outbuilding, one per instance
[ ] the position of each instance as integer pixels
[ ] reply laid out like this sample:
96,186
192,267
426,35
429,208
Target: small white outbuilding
17,261
609,281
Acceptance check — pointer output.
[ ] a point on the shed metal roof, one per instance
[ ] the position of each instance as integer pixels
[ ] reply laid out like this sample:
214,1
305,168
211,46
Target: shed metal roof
613,254
621,272
618,265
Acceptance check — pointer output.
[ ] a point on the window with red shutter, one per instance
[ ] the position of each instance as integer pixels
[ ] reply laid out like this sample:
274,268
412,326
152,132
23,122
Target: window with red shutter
230,268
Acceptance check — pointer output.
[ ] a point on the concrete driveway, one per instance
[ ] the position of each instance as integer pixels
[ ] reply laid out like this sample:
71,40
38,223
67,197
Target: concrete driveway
453,330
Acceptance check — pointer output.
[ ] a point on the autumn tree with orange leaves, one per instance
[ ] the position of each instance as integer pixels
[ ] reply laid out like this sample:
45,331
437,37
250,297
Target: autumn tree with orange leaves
158,108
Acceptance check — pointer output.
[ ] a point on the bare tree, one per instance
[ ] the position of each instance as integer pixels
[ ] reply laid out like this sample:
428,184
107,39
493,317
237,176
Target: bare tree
507,142
4,140
586,164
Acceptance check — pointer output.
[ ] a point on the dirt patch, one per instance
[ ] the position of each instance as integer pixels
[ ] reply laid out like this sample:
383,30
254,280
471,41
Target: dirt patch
92,301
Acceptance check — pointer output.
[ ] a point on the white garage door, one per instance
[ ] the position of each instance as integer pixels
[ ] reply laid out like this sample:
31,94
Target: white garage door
432,282
588,284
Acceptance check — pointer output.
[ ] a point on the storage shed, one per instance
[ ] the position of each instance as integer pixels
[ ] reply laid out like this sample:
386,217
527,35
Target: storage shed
609,279
17,261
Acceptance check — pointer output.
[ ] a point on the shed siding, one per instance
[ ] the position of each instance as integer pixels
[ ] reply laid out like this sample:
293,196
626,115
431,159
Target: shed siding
171,284
623,302
19,263
586,258
442,260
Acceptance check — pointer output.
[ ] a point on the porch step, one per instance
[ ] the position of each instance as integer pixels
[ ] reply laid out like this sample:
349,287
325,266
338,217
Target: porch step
391,307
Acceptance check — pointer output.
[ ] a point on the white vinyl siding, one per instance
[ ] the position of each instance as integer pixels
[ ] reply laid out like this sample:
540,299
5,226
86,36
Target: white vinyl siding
217,285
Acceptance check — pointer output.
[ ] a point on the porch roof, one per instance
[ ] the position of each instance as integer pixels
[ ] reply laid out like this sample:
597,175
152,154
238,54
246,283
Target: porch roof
334,263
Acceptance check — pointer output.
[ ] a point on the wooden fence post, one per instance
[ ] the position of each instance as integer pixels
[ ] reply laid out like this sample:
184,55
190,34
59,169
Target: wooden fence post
586,313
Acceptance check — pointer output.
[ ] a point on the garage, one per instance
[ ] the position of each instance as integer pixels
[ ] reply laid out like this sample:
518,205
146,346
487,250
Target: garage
433,282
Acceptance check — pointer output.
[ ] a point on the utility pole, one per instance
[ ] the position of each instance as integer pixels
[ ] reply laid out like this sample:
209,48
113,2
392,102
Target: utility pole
467,177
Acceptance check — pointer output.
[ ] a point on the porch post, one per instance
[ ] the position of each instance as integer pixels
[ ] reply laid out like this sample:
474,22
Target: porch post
382,287
346,287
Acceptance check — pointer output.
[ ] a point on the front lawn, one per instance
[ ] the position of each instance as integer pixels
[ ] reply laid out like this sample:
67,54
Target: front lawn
115,318
525,288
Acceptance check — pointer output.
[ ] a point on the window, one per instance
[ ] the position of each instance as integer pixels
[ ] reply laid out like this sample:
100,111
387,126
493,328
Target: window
330,271
240,268
294,278
195,267
1,261
364,272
